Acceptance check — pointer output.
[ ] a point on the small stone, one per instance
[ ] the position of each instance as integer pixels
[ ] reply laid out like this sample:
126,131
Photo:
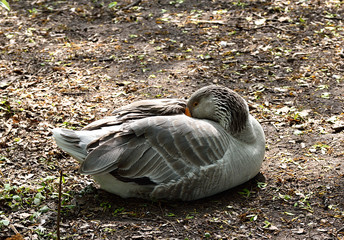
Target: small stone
323,221
337,76
223,43
298,230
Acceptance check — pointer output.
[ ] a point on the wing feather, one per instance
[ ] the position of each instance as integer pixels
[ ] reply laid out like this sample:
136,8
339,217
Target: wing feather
161,148
150,160
103,158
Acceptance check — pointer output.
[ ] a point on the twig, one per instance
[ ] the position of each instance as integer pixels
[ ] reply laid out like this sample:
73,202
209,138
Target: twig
340,230
267,120
272,123
73,93
11,226
197,21
161,218
339,69
162,211
132,5
59,207
270,26
262,236
14,229
334,18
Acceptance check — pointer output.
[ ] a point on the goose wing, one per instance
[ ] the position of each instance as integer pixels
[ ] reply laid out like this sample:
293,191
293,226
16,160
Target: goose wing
139,110
157,149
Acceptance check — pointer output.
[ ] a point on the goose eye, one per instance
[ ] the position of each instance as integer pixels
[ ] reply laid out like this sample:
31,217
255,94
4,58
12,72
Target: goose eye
195,104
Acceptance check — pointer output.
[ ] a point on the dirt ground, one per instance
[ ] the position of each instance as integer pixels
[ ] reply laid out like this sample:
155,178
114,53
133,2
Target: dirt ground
68,63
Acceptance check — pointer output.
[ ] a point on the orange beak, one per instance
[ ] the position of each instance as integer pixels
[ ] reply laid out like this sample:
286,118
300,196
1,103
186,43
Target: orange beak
187,112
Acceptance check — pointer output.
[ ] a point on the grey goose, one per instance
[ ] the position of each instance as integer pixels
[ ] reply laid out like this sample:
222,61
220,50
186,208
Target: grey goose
171,148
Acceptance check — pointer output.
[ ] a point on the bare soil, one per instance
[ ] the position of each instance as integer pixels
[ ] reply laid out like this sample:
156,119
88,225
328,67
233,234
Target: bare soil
68,63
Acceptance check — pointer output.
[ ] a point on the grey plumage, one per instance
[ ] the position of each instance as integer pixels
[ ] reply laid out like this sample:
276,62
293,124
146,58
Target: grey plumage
150,149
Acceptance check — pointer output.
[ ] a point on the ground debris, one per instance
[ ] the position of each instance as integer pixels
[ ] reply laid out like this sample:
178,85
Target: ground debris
68,63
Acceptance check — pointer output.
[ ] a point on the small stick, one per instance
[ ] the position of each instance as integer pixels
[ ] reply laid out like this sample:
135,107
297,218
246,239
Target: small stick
131,5
11,226
272,123
59,207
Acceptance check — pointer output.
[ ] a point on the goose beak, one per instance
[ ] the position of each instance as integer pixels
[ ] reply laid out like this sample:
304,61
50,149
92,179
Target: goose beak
187,112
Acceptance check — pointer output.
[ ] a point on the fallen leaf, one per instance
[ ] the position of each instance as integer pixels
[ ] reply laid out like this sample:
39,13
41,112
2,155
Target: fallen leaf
298,230
260,21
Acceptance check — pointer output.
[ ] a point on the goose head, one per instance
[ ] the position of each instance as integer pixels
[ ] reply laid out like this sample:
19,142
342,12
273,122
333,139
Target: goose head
219,104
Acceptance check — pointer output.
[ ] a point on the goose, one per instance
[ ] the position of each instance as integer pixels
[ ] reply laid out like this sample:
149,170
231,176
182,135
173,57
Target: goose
171,148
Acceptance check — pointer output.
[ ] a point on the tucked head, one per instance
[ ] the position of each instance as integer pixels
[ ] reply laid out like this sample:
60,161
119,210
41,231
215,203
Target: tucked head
221,105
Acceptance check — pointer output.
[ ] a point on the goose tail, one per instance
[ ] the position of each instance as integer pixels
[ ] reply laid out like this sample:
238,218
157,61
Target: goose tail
70,142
